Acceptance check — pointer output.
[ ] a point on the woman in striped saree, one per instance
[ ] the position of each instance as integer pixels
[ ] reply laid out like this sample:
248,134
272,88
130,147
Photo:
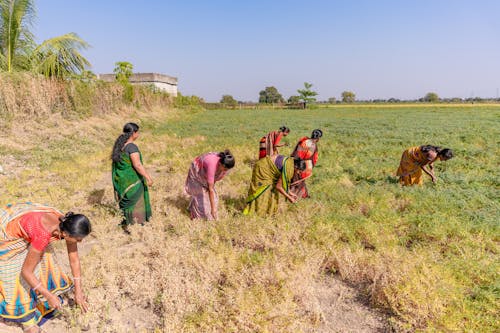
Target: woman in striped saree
31,280
271,176
270,143
414,161
205,170
130,178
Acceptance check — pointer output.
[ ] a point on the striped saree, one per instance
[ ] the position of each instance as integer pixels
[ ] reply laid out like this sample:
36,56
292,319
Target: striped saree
267,144
263,198
18,302
131,191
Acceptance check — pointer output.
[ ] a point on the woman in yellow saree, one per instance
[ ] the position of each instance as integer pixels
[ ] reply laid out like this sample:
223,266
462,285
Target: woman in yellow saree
271,177
415,159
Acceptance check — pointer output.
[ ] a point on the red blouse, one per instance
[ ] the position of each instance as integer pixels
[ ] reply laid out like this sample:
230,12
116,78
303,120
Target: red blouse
38,236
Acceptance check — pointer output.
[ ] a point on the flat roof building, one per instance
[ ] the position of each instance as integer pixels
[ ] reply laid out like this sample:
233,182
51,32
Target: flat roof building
163,82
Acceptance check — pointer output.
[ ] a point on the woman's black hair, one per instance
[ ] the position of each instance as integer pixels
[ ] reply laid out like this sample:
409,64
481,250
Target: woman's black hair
316,134
428,148
226,159
128,130
284,129
75,225
299,164
447,153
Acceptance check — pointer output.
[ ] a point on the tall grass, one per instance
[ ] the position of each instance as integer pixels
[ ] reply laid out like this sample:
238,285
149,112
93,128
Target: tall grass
28,96
426,255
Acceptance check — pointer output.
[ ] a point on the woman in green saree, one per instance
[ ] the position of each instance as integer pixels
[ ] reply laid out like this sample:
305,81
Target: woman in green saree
130,178
271,177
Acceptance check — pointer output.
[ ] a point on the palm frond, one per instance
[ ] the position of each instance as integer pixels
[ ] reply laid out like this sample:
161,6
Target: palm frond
16,18
60,56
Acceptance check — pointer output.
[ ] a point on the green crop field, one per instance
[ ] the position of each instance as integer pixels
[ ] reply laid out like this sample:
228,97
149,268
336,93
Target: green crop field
428,256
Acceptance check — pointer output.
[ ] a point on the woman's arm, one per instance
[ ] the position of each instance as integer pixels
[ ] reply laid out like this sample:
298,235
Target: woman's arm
136,162
211,196
74,262
430,173
27,272
300,180
290,196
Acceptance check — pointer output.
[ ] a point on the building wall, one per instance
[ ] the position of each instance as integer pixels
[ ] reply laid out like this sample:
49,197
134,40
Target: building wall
168,88
163,82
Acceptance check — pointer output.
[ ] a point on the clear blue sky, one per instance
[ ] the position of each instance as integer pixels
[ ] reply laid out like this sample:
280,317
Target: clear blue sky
375,48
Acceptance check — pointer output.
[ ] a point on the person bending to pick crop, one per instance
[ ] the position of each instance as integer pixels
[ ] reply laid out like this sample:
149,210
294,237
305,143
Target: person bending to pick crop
269,144
415,159
31,280
130,178
271,176
205,170
307,150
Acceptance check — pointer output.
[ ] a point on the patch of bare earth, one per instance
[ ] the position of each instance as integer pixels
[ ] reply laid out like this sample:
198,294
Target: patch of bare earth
344,310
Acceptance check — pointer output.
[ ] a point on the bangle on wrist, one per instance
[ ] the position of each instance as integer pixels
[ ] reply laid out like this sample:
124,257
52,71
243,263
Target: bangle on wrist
77,277
37,286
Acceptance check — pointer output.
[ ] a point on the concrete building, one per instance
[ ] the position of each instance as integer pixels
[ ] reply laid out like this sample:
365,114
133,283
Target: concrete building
163,82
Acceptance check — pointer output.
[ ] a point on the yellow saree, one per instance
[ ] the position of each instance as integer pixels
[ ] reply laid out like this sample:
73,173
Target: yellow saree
410,167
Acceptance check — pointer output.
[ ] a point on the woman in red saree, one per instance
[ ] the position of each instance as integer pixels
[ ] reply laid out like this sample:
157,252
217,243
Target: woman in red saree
268,145
307,150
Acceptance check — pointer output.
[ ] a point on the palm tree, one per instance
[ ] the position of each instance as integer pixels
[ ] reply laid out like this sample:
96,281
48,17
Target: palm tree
58,56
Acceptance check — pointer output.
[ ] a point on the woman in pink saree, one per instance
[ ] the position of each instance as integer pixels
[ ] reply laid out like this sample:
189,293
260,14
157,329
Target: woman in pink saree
205,170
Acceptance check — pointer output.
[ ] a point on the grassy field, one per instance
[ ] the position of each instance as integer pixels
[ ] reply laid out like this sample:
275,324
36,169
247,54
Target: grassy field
427,256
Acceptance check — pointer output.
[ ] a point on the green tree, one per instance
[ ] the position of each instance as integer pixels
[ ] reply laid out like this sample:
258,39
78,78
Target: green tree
348,97
123,71
306,94
431,97
228,100
294,99
270,95
58,56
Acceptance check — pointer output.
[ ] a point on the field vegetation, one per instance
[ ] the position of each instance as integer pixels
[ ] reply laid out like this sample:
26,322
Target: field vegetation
426,256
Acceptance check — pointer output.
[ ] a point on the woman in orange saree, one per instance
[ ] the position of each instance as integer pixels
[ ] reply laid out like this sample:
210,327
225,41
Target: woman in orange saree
307,150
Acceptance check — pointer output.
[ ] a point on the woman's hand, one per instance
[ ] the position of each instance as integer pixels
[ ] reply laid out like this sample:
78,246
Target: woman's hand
54,302
214,214
81,301
149,181
292,197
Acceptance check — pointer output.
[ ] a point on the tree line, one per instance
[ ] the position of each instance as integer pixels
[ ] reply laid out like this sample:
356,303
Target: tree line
306,97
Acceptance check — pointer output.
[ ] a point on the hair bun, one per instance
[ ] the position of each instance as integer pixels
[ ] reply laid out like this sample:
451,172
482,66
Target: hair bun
317,133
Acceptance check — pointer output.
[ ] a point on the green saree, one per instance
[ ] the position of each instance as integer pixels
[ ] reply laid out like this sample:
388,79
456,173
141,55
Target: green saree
131,191
263,198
